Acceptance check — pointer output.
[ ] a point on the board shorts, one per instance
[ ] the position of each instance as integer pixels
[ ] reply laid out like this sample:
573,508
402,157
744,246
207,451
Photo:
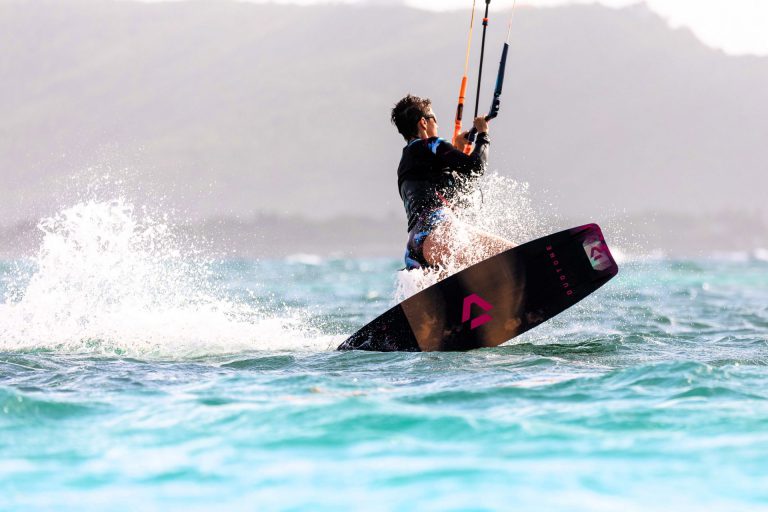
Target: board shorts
414,249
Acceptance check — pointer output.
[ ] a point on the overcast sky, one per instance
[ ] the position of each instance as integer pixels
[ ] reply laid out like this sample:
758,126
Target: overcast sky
736,26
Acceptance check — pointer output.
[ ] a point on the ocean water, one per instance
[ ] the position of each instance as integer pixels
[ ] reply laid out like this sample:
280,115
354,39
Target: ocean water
136,375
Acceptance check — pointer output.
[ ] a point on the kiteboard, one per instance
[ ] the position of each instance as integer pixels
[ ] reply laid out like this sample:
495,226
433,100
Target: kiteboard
497,299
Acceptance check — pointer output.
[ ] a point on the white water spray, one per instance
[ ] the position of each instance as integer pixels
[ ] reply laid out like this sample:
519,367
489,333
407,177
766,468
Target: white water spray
501,207
109,279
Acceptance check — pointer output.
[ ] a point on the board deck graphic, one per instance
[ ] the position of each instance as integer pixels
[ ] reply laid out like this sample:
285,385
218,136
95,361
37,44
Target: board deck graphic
497,299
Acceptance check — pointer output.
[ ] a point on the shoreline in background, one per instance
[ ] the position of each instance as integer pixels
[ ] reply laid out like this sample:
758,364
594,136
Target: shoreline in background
669,234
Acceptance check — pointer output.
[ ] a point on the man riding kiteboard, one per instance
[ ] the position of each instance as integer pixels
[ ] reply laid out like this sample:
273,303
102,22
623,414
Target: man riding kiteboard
433,177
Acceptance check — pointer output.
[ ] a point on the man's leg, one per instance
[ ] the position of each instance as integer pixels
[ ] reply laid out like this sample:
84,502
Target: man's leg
457,244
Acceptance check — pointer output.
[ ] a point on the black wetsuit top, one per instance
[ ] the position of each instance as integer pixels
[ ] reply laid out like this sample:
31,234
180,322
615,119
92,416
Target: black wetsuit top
432,170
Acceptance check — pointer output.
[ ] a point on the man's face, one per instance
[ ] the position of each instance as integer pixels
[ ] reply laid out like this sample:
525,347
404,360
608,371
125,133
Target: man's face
431,124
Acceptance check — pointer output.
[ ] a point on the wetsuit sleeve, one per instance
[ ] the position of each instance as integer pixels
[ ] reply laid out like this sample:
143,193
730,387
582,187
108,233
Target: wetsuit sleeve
473,164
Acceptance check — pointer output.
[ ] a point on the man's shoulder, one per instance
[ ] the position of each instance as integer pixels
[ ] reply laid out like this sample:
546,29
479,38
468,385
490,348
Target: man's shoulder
421,148
435,143
419,145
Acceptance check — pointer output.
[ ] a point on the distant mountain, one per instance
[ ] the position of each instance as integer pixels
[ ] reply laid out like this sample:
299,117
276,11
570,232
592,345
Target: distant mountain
237,109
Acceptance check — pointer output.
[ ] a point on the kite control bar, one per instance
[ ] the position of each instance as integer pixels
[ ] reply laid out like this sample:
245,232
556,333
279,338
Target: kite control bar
496,103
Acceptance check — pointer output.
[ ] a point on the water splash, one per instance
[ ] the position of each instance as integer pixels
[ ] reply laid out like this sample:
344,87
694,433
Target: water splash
502,207
109,279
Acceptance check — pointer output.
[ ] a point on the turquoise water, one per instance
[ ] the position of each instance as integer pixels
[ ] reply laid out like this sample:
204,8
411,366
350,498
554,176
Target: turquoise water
649,395
137,375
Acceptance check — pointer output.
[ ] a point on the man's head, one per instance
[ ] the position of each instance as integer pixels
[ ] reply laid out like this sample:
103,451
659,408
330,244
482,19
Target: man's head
413,117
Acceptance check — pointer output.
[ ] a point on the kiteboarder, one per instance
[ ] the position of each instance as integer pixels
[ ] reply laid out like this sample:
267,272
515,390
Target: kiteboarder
433,178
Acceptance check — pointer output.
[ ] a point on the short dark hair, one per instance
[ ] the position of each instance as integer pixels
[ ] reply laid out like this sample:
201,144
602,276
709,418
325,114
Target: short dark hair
408,112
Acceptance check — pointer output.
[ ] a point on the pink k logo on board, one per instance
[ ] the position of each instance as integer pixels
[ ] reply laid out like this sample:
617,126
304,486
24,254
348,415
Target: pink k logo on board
469,300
